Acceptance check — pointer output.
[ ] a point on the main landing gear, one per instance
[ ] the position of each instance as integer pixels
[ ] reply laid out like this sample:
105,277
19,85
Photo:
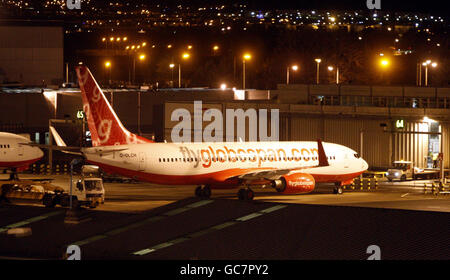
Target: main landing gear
246,194
203,192
13,175
338,189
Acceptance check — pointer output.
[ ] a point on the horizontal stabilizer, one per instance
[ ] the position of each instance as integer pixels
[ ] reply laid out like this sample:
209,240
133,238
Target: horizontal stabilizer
59,141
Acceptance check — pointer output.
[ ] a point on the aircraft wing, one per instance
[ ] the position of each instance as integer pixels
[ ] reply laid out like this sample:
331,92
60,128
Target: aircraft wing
270,174
102,150
44,146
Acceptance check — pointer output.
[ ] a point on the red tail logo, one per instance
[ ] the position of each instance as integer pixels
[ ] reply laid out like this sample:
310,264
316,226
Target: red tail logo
104,125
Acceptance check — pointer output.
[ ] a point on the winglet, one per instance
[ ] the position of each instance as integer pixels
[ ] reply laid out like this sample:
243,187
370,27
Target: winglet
323,161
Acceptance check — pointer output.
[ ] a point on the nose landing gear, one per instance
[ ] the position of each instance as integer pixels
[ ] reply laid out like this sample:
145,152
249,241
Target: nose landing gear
338,189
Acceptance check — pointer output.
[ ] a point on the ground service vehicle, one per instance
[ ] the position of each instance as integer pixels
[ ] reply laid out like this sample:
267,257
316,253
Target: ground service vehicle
405,170
88,187
87,191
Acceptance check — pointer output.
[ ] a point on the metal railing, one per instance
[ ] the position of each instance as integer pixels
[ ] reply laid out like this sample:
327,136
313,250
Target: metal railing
381,101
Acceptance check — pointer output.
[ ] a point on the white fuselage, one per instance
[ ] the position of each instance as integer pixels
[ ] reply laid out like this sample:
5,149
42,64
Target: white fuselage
14,153
203,163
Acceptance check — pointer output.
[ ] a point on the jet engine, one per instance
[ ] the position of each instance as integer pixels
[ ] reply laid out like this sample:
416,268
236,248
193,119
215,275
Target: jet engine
294,183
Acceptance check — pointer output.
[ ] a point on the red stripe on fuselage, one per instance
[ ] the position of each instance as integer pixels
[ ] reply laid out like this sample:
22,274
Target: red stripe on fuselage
18,164
214,178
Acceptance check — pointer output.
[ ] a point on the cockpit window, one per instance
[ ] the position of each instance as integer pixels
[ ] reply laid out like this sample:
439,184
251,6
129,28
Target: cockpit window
357,155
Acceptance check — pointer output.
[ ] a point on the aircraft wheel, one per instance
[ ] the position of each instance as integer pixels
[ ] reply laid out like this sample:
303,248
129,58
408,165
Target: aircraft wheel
198,191
246,194
249,194
206,192
48,201
338,190
241,194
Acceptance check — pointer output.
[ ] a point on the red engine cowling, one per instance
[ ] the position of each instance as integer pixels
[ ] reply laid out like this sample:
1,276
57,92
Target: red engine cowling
294,183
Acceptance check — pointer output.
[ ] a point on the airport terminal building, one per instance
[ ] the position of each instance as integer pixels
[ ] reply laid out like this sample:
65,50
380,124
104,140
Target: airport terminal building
383,124
31,55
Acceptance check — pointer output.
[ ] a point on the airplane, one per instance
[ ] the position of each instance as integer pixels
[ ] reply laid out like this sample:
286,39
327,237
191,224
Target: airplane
16,154
287,166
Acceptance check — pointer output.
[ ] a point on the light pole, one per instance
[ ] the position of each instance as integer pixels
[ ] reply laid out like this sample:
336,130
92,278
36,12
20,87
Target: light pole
244,58
318,60
295,68
426,63
184,56
108,68
419,79
141,58
179,75
171,66
384,63
331,68
215,49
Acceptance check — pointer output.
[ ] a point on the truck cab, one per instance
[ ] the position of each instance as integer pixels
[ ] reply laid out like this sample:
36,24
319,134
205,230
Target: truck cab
88,187
401,170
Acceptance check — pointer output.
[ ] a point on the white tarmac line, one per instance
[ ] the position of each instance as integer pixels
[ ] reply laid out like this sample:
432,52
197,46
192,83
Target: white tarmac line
140,223
30,220
209,230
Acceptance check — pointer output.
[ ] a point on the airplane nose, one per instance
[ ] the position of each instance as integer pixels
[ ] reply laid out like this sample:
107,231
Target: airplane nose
364,165
39,153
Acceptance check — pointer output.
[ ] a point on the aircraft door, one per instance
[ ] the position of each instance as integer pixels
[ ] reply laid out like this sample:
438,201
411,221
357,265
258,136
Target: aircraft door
141,161
346,160
20,150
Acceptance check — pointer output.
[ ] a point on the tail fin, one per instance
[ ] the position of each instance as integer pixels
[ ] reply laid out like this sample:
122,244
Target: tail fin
323,161
104,125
